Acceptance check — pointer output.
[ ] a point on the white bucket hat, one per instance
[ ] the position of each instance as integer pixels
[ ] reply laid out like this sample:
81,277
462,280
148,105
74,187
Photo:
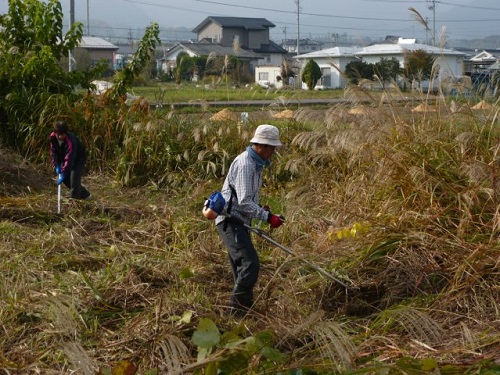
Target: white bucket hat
266,135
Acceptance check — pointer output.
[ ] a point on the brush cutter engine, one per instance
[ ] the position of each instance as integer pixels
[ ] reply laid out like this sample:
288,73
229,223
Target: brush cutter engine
213,206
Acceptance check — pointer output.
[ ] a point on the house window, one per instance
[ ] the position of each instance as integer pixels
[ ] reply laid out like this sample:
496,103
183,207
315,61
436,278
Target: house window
263,76
326,78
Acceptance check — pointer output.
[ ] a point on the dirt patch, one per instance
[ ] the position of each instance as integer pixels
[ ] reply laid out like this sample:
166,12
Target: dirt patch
18,176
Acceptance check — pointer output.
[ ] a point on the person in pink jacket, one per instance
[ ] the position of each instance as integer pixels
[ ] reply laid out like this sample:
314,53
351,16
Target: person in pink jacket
68,158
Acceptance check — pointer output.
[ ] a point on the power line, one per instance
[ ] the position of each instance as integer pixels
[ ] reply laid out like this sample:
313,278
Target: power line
306,13
424,1
268,10
381,29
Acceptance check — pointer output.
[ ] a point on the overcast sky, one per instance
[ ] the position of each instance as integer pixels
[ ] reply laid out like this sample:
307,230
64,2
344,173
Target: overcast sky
463,19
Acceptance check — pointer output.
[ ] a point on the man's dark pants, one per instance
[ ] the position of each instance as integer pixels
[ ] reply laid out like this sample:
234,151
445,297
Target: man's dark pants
244,262
74,182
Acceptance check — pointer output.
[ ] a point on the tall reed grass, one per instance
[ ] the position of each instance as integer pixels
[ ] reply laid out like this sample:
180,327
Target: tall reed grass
401,205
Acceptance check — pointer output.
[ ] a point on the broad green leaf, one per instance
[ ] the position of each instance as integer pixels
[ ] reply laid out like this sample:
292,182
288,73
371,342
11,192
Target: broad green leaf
273,354
429,364
186,317
264,338
229,339
206,335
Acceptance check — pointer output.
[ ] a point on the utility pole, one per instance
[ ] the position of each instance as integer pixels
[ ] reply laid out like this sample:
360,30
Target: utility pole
426,30
88,19
71,22
432,7
298,24
284,31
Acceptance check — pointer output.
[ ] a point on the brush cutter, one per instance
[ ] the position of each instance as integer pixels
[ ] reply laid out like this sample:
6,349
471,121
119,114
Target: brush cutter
313,266
216,203
59,197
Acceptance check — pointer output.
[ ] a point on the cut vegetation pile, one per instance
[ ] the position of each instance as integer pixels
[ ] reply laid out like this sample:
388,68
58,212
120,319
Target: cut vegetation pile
403,208
285,114
224,115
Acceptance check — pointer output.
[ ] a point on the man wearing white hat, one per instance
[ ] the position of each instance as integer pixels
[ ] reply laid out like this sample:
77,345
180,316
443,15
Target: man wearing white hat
241,190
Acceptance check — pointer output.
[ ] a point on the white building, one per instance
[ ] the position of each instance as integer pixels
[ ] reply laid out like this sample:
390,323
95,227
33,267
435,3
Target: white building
450,62
267,76
333,61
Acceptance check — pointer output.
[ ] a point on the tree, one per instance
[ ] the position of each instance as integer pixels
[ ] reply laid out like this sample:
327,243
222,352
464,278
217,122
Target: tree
418,66
287,72
31,45
139,61
35,87
311,74
358,70
387,70
184,67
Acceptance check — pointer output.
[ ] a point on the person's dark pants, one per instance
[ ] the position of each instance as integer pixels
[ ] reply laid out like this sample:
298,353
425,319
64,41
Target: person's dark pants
74,182
244,262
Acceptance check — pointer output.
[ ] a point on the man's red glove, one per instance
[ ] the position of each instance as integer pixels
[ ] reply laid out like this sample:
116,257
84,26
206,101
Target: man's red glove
275,220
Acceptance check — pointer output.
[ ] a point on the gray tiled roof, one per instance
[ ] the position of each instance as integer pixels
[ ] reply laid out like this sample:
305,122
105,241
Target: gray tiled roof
92,42
271,48
204,49
236,22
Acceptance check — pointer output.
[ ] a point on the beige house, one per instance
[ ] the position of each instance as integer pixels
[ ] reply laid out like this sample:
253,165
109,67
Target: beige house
247,33
91,50
245,38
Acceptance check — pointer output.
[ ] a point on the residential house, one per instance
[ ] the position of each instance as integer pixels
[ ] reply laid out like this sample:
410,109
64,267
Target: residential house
333,61
481,61
245,38
306,45
450,62
479,66
205,49
92,50
267,76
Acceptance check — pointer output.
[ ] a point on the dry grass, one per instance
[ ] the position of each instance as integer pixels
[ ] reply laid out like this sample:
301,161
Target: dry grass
402,206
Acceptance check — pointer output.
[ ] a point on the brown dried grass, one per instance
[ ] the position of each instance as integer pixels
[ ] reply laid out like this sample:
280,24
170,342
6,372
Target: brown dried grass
134,261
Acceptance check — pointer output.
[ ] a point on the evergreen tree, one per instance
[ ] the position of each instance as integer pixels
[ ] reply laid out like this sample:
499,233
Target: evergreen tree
311,74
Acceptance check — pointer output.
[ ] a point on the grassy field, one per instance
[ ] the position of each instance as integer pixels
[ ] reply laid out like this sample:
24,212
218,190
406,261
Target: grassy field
399,202
188,92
